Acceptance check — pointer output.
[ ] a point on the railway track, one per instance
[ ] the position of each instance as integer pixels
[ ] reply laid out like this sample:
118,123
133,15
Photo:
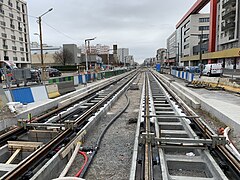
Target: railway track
172,142
65,123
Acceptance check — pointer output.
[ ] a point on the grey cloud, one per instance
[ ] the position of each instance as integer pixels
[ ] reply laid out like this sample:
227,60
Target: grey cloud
141,25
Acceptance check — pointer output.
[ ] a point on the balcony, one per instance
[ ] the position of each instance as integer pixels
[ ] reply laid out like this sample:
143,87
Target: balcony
4,35
228,26
12,26
10,4
5,47
229,3
1,11
229,14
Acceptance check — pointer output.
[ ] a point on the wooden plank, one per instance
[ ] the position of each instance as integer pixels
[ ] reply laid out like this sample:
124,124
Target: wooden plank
13,157
72,144
23,145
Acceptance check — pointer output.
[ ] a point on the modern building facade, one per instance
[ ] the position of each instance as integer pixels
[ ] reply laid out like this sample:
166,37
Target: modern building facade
161,56
14,37
223,42
75,52
189,34
171,49
122,54
48,54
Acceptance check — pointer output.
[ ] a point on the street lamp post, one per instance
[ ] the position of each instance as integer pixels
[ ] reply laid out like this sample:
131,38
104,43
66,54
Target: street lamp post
40,31
86,48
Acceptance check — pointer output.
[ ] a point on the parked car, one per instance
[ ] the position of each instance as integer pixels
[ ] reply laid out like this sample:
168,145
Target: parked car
212,69
53,72
192,69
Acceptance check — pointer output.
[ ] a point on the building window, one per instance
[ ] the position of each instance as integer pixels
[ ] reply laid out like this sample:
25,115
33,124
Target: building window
3,23
204,19
15,58
202,28
13,37
204,36
186,46
11,15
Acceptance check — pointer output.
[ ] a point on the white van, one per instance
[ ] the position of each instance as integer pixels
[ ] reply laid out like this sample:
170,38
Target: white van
212,69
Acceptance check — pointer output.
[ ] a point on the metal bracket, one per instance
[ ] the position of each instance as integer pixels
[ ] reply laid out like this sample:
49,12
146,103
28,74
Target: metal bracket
146,138
69,124
218,140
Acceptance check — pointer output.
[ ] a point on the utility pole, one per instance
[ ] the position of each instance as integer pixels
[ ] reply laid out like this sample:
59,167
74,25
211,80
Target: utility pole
200,53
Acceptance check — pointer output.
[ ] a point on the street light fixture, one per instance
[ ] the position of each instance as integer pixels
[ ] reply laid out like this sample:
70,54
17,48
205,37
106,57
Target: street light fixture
40,31
86,49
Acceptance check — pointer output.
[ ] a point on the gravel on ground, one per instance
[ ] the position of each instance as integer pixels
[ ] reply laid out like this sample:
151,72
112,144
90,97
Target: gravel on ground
113,159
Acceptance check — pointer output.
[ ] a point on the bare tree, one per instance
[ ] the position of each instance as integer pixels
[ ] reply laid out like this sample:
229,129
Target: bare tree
64,57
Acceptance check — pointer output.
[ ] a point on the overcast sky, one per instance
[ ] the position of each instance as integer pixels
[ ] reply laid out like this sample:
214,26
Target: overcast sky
140,25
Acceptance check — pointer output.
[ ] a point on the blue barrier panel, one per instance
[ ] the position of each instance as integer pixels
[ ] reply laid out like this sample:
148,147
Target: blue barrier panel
178,74
80,80
89,77
23,95
94,75
186,76
192,77
182,74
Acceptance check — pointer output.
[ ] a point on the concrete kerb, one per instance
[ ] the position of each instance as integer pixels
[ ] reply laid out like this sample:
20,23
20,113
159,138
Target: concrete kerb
214,108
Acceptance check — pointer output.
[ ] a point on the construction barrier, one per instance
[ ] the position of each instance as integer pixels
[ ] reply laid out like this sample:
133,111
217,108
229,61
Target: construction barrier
66,87
57,86
60,79
183,75
39,93
22,95
76,80
52,90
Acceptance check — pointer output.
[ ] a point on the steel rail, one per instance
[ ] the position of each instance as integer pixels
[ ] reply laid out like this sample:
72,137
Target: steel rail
20,130
206,132
42,152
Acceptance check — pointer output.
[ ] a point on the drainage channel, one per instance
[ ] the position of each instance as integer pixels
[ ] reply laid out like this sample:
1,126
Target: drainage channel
176,151
53,136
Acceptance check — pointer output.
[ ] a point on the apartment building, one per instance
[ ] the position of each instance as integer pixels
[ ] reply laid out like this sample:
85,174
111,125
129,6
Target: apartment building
189,34
14,37
122,54
172,49
228,31
161,56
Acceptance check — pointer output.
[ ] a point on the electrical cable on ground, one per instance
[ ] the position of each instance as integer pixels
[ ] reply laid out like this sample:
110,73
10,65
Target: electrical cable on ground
101,137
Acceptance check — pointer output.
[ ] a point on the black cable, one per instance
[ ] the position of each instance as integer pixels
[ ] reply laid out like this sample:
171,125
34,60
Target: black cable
101,137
